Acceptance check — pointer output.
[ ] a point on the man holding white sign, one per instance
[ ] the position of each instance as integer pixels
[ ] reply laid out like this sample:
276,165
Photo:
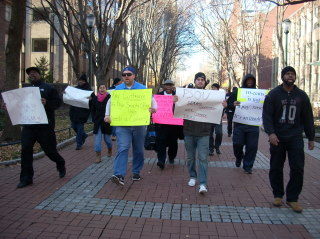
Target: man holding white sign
244,134
196,129
42,133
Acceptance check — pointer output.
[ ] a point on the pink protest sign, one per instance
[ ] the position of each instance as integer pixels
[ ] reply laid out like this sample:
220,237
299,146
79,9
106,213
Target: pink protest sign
164,114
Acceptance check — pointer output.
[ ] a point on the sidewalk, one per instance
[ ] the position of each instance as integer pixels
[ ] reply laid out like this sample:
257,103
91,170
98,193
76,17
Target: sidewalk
85,204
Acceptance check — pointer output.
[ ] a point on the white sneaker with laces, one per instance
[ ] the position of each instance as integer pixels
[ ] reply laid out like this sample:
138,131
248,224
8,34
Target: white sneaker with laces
203,189
192,182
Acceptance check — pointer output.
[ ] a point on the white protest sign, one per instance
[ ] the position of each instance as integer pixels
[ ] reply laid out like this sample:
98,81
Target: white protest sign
24,106
77,97
199,105
250,110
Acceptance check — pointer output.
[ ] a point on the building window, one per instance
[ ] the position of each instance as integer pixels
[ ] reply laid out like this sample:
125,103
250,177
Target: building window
8,12
40,14
40,45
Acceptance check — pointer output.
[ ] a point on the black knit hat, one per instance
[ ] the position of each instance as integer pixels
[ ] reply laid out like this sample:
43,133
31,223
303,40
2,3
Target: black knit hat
33,69
83,77
287,69
200,74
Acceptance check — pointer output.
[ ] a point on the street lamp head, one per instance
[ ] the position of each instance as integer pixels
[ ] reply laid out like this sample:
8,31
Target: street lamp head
286,25
90,20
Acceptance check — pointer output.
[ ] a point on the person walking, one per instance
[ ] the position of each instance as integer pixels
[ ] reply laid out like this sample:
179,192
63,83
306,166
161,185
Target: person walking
215,142
243,134
230,113
42,133
196,138
101,129
127,135
287,112
167,135
79,116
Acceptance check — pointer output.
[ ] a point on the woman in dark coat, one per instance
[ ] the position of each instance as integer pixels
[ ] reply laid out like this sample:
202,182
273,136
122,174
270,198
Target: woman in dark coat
101,128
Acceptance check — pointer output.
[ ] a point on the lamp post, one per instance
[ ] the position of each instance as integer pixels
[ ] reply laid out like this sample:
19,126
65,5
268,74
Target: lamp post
90,23
286,26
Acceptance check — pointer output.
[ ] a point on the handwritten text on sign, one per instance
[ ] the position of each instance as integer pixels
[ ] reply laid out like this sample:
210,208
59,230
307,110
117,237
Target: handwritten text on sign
250,110
199,105
24,106
164,114
130,107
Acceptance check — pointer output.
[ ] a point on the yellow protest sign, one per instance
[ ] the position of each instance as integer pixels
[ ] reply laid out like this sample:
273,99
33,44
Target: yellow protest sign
130,107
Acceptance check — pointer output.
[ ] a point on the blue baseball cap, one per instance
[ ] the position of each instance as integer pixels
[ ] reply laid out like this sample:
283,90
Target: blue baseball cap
129,68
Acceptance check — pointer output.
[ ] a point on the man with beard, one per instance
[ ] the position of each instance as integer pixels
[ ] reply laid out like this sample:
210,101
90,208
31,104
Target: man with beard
42,133
286,114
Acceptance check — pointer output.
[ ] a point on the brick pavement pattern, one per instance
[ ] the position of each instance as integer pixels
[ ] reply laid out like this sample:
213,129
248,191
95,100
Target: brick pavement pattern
86,204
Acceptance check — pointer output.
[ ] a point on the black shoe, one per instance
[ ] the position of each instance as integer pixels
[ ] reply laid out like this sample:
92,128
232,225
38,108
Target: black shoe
218,151
171,161
136,177
238,163
117,179
211,152
229,135
248,171
160,165
78,147
62,172
24,184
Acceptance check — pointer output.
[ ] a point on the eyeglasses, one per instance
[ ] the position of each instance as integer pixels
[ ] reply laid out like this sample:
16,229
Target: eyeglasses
126,74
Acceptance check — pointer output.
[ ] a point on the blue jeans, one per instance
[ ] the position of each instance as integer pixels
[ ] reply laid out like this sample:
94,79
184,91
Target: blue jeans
98,139
200,143
113,130
125,136
81,135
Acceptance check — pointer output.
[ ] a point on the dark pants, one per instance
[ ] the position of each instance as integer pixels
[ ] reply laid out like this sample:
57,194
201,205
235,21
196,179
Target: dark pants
46,137
167,136
230,118
81,135
215,143
295,150
245,135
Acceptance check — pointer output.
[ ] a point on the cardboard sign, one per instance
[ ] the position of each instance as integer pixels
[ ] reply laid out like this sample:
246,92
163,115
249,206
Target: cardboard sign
24,106
164,114
250,110
77,97
199,105
130,107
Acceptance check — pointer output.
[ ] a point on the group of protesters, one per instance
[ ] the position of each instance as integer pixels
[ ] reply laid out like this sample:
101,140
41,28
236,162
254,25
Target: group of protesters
286,114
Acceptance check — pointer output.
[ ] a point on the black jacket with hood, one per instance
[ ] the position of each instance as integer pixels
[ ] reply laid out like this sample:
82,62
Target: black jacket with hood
77,114
288,114
233,97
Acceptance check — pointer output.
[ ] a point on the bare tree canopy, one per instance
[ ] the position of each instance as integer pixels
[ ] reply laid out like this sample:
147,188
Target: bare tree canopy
287,2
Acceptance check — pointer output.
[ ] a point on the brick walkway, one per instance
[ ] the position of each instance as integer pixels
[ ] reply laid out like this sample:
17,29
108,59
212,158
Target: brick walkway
85,204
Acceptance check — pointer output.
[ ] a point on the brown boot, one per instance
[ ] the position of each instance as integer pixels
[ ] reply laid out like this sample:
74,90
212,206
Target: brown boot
277,202
98,157
295,206
109,152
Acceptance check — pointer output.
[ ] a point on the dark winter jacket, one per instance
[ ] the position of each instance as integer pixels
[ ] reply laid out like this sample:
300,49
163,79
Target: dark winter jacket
98,110
287,114
233,97
53,102
78,114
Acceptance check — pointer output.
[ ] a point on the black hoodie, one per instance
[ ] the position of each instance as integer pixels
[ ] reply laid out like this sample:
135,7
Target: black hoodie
234,94
287,114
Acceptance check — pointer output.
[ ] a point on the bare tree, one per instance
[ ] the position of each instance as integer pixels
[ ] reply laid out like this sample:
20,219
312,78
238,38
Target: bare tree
13,48
287,2
69,23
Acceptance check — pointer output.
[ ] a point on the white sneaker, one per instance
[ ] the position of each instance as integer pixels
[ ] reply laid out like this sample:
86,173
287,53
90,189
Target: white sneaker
192,182
203,189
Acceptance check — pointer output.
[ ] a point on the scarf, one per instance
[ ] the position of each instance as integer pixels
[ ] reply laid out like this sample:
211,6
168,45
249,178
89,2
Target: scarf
101,97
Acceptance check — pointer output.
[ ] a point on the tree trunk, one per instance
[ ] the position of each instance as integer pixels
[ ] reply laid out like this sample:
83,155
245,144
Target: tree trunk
15,33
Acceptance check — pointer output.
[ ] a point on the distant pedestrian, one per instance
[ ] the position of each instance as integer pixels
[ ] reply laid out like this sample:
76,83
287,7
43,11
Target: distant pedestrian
101,129
167,135
196,138
79,116
287,112
116,82
190,85
244,135
230,113
160,90
42,133
127,135
215,142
